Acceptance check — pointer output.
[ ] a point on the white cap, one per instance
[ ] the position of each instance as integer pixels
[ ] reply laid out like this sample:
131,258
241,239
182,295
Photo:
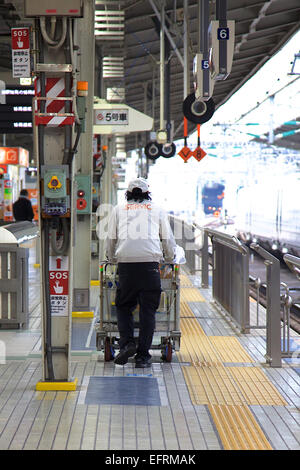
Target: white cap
139,183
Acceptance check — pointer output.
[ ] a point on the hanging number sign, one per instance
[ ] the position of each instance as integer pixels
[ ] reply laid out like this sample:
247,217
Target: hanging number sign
185,153
198,153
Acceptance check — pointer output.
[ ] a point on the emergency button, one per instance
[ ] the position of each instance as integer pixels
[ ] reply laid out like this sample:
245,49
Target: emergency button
54,183
81,204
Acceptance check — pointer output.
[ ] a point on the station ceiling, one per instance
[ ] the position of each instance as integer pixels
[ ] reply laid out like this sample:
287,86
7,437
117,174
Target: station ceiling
261,29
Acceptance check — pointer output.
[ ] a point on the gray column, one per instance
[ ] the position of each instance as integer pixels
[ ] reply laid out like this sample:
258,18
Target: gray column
84,163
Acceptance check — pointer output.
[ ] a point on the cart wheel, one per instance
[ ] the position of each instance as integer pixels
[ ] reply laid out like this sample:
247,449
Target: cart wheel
166,352
108,350
169,352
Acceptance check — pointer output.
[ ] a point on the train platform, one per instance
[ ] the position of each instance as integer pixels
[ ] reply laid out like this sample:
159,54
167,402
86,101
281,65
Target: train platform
218,393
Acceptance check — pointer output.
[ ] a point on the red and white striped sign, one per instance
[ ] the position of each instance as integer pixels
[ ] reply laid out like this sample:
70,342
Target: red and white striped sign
55,88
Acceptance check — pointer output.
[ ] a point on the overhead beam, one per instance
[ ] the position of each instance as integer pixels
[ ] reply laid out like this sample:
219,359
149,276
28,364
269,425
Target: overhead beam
166,31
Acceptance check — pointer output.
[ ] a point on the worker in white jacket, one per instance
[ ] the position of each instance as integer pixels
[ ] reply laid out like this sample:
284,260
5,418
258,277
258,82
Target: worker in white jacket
139,238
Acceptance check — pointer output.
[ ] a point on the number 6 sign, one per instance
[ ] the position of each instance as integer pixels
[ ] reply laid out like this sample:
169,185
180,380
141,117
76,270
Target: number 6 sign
223,33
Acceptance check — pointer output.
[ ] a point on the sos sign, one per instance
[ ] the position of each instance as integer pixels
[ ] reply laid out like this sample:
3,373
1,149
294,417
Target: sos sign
20,38
59,282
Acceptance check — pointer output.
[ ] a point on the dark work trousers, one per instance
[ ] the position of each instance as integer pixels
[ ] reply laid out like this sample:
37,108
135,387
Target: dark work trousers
139,283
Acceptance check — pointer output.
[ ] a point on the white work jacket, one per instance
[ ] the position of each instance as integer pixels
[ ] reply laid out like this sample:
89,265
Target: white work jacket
139,232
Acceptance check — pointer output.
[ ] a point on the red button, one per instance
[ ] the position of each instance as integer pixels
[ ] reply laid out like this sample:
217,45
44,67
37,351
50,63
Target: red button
81,204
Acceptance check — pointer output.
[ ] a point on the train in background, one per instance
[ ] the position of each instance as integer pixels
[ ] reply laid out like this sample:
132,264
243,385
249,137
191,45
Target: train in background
269,213
212,198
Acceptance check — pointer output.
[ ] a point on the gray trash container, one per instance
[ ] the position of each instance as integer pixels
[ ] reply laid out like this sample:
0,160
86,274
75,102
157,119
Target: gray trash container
14,305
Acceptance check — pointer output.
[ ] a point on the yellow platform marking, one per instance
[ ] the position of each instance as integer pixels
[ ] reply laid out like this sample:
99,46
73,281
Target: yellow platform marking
185,310
230,349
57,386
219,385
212,385
185,281
256,387
227,391
82,314
195,346
238,428
191,294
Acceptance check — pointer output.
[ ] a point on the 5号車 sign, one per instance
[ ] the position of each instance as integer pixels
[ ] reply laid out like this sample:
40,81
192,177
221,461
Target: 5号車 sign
111,116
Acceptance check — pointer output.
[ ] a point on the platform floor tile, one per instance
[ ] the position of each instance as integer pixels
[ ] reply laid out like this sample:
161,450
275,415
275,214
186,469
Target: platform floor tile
222,375
238,428
218,393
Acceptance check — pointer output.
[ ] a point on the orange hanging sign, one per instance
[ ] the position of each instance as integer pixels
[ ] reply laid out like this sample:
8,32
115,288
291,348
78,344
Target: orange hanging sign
198,153
185,153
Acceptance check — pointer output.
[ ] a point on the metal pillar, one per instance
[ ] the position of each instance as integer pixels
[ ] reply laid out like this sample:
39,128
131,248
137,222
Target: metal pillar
83,163
186,57
55,65
53,144
162,65
272,264
204,261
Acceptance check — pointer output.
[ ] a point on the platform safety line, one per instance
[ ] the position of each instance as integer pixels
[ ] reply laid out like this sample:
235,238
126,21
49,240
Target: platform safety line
256,387
185,280
230,349
196,345
238,428
189,294
235,423
216,383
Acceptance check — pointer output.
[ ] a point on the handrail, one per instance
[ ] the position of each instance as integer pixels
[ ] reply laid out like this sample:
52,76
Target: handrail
293,263
227,239
273,305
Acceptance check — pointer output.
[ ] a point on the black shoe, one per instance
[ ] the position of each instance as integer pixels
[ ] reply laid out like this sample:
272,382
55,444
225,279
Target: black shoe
141,363
128,351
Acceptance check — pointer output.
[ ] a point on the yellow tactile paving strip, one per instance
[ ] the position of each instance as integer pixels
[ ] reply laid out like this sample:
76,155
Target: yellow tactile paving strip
185,310
256,387
229,349
185,281
238,428
212,385
219,385
227,391
191,295
195,346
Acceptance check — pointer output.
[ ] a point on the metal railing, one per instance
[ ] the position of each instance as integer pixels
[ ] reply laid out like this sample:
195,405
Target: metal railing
273,318
230,276
293,263
186,238
230,282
